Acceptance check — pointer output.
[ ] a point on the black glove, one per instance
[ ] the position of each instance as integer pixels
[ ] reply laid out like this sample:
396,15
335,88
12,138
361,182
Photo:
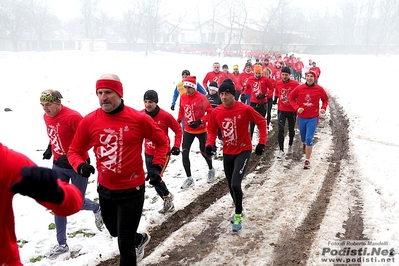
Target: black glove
243,98
172,108
85,169
195,124
260,148
39,183
261,96
48,153
63,162
209,151
175,151
154,175
275,100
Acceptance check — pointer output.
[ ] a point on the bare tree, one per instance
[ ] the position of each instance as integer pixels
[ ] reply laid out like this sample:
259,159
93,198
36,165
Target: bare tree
131,25
273,21
88,9
388,19
237,15
41,20
13,20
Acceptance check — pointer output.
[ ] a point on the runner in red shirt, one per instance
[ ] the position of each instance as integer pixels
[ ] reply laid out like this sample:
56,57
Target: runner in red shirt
316,70
195,110
19,174
116,133
233,118
214,76
165,121
284,110
305,99
236,78
298,70
259,87
61,124
245,76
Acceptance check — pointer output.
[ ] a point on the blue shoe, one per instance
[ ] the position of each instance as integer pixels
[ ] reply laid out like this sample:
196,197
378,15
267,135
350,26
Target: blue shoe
237,225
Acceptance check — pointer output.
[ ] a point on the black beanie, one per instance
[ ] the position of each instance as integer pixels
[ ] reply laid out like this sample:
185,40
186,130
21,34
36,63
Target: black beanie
227,86
286,70
151,95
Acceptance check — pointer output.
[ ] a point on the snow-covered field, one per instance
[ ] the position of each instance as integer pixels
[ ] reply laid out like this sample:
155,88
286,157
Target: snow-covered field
363,85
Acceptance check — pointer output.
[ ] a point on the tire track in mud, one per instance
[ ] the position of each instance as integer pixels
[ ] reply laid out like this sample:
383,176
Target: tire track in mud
292,248
183,216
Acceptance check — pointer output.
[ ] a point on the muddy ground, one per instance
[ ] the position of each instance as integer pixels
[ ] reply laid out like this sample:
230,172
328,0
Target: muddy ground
292,249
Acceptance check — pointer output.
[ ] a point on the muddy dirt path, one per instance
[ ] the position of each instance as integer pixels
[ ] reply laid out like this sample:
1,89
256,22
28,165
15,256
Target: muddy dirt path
294,206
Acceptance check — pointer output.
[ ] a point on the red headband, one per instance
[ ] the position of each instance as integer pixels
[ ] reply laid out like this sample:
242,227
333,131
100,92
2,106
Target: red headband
111,84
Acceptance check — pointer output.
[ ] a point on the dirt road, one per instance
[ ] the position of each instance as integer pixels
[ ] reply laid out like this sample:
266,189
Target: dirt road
285,209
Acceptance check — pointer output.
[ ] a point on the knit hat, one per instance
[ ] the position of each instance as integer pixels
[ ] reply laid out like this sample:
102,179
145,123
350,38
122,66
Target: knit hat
311,73
257,69
227,86
286,70
225,66
213,86
235,67
185,72
151,95
190,81
111,84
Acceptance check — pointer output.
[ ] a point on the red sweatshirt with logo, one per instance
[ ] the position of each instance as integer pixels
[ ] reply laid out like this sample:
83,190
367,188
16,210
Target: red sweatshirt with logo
192,108
233,123
283,89
117,141
308,97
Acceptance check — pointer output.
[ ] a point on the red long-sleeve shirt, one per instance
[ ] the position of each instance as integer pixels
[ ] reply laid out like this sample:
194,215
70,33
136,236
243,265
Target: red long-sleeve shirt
283,89
11,163
60,129
117,141
214,77
256,86
245,76
164,120
233,123
308,97
194,107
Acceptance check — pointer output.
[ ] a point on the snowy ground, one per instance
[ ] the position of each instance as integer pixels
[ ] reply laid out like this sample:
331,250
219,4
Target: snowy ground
367,95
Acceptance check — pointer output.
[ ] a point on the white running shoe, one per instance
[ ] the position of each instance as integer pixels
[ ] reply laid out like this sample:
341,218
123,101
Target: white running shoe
140,248
98,219
211,176
306,165
56,251
188,183
280,154
290,150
